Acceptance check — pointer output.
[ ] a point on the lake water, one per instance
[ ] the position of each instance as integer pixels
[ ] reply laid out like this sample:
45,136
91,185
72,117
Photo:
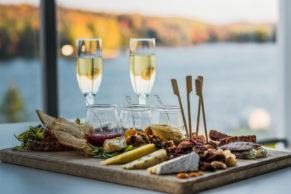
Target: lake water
237,79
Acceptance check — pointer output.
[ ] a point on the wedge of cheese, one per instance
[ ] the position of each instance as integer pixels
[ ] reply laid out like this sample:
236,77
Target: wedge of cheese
147,161
186,163
130,155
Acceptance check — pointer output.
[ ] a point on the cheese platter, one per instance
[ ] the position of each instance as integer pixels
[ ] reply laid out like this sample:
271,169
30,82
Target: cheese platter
158,157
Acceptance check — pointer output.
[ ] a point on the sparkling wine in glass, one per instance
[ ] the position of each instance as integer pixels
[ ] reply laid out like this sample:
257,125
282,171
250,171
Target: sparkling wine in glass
142,67
89,67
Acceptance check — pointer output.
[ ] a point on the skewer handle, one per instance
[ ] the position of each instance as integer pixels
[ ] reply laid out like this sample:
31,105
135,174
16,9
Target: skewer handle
189,90
177,93
200,78
175,87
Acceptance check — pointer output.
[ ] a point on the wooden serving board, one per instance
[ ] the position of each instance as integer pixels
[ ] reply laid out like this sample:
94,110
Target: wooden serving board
74,163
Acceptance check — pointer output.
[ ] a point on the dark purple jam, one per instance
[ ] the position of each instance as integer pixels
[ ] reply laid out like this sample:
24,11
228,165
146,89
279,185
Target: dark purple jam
97,138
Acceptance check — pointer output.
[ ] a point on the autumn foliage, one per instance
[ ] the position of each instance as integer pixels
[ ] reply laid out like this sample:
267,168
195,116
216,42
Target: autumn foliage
19,30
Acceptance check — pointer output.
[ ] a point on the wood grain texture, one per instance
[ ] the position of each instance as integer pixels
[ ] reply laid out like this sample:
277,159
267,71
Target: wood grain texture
74,163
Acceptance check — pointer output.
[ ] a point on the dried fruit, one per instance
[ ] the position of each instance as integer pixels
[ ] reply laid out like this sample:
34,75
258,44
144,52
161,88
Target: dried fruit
182,175
130,132
192,174
200,173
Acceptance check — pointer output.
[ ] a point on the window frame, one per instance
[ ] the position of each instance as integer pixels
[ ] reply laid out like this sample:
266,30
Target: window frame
284,48
48,50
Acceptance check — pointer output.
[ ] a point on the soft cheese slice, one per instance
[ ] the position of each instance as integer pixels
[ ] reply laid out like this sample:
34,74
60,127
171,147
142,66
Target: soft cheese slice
147,161
186,163
130,155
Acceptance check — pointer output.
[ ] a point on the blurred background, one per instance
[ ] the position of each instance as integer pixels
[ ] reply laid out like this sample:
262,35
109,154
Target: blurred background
231,43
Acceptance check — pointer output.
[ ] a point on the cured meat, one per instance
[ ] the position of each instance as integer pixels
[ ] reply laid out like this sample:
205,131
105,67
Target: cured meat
239,146
200,138
226,139
186,146
231,139
214,143
216,135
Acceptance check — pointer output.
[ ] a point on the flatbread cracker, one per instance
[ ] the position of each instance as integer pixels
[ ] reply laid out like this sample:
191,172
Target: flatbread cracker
72,128
69,140
47,121
68,133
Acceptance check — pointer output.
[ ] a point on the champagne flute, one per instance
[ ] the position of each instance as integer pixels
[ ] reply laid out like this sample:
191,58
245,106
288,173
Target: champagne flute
142,67
89,67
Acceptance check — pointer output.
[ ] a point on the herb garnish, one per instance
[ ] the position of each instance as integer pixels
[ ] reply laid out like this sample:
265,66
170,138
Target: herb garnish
100,154
26,138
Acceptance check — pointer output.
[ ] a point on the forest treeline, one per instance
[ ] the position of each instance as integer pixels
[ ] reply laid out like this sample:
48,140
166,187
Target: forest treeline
19,30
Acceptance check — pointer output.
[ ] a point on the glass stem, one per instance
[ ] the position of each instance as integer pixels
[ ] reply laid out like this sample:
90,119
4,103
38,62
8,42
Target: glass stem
89,97
142,98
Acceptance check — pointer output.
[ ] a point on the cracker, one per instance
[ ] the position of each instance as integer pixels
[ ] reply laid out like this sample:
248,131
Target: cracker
69,140
47,121
72,128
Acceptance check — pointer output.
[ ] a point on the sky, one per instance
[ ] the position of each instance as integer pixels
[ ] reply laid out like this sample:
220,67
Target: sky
212,11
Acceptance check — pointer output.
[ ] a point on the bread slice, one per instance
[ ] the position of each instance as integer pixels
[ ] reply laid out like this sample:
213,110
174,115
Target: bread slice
72,128
69,140
47,121
168,132
68,133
